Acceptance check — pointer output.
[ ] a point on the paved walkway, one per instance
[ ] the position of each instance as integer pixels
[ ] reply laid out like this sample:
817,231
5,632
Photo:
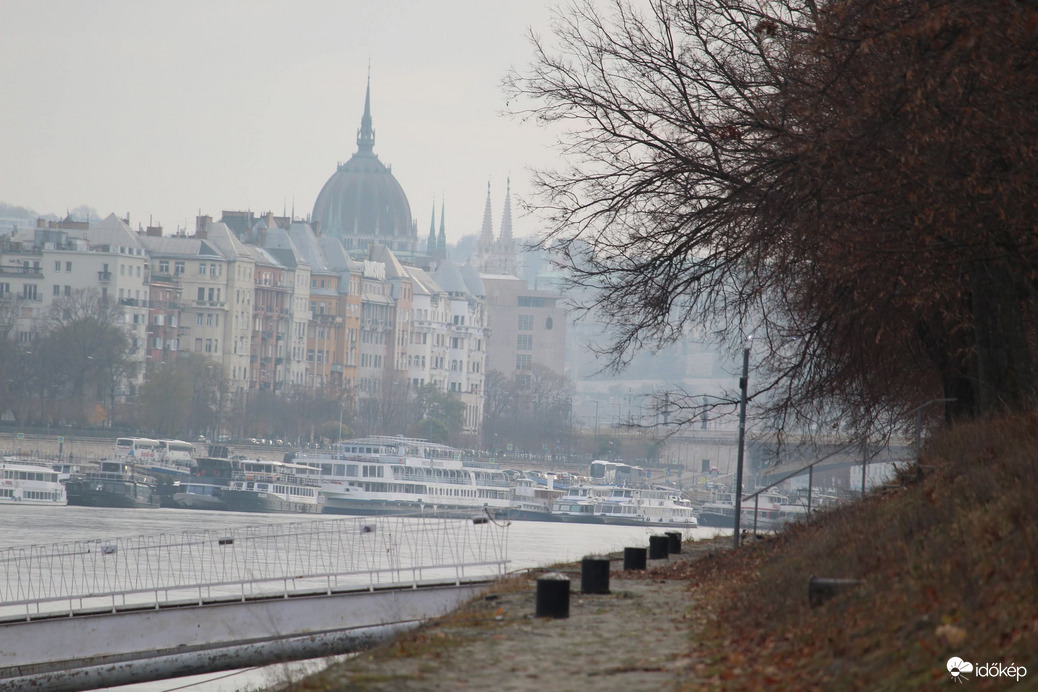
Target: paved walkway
637,637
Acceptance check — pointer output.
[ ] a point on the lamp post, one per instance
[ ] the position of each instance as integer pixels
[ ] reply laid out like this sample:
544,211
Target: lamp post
342,405
596,417
742,438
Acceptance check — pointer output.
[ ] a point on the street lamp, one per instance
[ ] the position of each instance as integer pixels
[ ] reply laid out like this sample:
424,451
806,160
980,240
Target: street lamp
342,405
596,417
742,437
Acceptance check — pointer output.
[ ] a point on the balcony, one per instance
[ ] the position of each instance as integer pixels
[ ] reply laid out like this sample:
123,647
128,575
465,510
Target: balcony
31,272
104,276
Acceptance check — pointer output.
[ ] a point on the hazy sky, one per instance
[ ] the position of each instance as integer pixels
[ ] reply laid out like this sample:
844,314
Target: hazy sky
162,109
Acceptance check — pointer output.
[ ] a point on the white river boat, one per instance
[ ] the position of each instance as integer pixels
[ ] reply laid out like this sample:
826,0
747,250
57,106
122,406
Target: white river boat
398,475
30,484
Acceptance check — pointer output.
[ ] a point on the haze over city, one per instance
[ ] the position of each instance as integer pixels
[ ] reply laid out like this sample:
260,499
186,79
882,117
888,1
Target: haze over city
163,110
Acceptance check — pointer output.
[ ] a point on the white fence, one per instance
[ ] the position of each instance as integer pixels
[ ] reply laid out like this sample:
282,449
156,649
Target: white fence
279,560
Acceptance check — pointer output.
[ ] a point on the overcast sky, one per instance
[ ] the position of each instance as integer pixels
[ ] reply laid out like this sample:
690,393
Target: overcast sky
163,109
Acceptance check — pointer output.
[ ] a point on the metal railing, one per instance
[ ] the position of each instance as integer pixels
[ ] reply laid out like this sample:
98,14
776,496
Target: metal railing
247,563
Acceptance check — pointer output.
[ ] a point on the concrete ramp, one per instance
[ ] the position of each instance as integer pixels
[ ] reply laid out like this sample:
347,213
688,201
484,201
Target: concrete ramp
137,644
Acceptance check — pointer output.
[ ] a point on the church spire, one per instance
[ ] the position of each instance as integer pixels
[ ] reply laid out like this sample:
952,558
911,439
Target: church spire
366,135
441,244
486,234
506,217
430,246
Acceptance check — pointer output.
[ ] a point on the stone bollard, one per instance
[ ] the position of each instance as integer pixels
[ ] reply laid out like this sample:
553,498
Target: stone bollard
634,558
658,547
820,590
674,546
552,596
594,575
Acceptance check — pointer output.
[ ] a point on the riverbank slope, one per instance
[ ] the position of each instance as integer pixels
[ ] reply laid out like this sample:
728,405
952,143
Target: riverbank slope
946,565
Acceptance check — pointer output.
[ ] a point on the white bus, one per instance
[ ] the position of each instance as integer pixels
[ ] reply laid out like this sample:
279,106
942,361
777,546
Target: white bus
177,452
139,450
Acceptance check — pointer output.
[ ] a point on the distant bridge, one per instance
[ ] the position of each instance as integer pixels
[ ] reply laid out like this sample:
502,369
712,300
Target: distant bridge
92,614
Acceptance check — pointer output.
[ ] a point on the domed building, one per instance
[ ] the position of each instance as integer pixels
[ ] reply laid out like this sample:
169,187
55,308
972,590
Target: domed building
362,202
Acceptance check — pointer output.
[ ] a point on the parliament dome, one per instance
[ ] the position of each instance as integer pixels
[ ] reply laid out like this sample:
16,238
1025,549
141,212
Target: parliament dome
363,202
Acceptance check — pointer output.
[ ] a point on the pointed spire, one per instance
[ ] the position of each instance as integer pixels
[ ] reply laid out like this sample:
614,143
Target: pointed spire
441,243
366,135
506,217
430,246
486,234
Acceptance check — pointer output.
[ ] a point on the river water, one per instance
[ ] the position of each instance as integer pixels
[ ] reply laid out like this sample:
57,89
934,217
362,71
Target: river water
530,544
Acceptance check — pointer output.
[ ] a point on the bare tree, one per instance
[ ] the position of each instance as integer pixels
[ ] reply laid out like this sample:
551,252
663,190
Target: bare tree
844,181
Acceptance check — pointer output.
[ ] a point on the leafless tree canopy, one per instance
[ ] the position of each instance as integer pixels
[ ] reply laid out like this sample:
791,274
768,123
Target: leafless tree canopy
851,182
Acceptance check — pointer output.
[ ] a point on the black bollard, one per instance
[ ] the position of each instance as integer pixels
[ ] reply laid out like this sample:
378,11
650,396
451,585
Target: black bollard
674,546
553,596
634,558
658,547
594,575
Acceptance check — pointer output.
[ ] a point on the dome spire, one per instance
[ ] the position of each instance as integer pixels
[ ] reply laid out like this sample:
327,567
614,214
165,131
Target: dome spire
366,135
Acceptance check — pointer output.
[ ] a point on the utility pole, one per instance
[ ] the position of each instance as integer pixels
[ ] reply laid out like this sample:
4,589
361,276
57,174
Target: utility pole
742,440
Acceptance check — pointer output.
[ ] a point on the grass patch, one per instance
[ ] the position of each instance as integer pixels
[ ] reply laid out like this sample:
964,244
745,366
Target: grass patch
949,566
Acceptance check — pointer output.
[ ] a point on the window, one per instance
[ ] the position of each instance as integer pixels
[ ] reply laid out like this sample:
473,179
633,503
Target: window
57,290
198,345
163,266
199,320
201,295
524,342
526,323
68,266
201,269
68,290
178,268
57,266
548,324
522,361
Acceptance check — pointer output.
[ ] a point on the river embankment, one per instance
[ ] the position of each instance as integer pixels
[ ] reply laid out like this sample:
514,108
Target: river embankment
939,566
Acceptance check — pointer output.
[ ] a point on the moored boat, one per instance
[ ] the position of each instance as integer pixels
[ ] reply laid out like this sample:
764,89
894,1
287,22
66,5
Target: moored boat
533,501
30,484
114,483
580,504
209,479
259,485
647,506
720,513
398,475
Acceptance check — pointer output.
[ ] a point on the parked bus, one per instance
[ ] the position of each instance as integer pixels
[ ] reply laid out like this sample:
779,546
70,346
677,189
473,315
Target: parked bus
140,450
177,452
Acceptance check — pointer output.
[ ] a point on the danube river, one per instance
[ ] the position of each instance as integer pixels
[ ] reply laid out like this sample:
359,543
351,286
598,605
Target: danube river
530,544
